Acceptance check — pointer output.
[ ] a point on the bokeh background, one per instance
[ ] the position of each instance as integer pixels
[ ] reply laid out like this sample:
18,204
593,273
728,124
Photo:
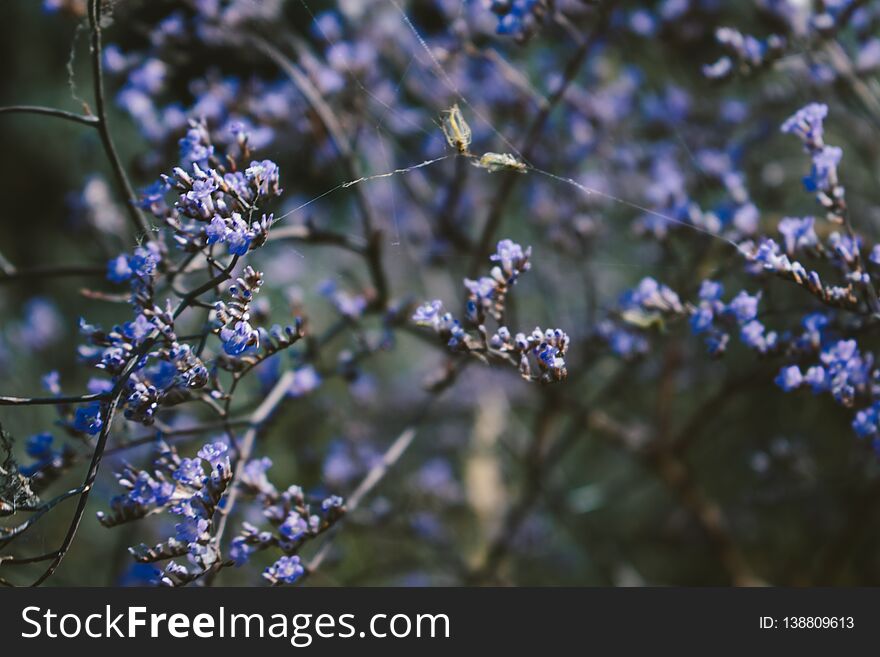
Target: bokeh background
764,487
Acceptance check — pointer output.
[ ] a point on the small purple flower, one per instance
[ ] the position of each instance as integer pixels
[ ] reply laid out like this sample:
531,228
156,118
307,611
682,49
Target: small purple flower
294,527
88,419
286,570
806,123
139,329
118,269
865,422
216,454
236,341
305,380
790,378
428,314
744,307
190,473
191,530
797,233
711,290
52,383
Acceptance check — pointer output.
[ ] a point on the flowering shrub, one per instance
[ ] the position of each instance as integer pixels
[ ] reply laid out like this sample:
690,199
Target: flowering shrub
302,277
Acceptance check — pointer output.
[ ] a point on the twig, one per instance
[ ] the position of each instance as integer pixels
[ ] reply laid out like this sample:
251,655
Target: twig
86,489
51,111
328,119
245,449
109,148
369,482
51,271
37,401
505,189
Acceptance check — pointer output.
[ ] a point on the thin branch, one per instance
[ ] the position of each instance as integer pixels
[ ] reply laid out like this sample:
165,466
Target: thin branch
82,119
328,119
261,414
533,133
37,401
38,511
370,481
128,193
88,482
51,271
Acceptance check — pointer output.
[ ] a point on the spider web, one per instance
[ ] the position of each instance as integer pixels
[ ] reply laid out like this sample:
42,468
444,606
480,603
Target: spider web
442,76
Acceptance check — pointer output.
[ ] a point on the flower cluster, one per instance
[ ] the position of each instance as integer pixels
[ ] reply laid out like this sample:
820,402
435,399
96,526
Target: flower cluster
518,18
189,488
292,522
807,125
217,203
745,53
487,298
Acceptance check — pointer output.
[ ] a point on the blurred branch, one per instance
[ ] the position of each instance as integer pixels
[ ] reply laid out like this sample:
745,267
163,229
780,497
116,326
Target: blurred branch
37,401
51,111
328,119
101,123
533,134
14,274
374,476
88,482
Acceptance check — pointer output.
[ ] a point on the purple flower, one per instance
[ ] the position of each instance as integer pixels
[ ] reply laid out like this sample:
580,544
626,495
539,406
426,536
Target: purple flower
88,419
118,269
744,307
236,341
286,570
806,123
823,174
190,472
865,422
52,382
305,380
216,454
191,530
798,234
790,378
294,527
139,329
711,290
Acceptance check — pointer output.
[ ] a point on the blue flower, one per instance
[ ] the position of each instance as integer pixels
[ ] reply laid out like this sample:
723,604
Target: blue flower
191,530
511,258
711,290
798,233
806,123
824,170
240,551
254,475
236,341
39,446
744,307
52,382
118,269
216,454
139,329
428,314
789,378
332,502
865,422
189,472
294,527
305,380
216,230
88,419
286,570
146,491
